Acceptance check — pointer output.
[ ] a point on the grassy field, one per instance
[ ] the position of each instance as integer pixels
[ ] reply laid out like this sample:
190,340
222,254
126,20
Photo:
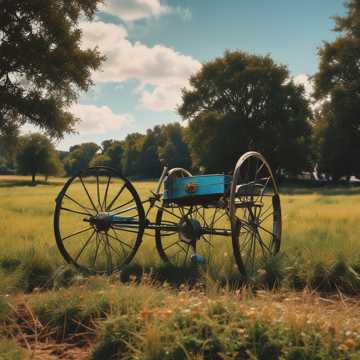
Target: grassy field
320,227
42,301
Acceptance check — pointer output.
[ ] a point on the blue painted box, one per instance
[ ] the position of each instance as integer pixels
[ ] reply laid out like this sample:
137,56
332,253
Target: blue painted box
196,189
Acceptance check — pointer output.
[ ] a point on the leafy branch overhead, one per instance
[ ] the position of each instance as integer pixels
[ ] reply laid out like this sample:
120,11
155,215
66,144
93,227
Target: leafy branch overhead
42,65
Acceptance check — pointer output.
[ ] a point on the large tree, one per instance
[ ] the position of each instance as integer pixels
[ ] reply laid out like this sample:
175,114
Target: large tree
111,154
37,155
337,87
79,157
242,102
42,66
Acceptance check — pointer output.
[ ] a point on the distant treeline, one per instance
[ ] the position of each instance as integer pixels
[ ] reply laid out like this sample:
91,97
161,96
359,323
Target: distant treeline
137,155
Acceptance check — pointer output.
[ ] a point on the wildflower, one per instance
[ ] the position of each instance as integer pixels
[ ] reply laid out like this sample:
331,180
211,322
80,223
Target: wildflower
349,343
145,314
343,348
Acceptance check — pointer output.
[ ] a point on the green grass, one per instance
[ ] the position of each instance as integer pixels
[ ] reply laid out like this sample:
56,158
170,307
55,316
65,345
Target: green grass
152,321
151,314
321,230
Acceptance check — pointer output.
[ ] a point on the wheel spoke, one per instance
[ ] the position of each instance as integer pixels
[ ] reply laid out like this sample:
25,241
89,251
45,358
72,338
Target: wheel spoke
106,193
121,242
96,250
266,217
117,239
169,246
98,192
87,193
74,211
167,211
84,246
108,255
77,233
116,197
121,206
268,231
126,210
78,204
186,255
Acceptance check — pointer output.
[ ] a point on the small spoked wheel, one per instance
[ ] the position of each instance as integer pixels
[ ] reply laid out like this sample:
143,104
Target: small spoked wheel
255,213
185,234
99,221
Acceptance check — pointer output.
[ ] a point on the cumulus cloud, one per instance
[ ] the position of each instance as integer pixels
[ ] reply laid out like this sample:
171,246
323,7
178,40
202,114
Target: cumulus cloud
98,119
132,10
163,68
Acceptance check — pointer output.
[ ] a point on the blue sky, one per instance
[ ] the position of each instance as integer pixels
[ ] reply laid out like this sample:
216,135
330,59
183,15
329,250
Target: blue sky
153,46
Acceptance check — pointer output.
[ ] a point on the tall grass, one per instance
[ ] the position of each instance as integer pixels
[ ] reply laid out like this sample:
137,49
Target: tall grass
321,231
152,321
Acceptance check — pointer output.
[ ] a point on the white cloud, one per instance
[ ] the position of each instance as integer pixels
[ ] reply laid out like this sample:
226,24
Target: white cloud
98,119
132,10
305,81
163,68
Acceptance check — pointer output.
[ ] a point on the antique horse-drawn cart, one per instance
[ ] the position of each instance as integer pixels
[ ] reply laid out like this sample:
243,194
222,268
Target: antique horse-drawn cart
100,220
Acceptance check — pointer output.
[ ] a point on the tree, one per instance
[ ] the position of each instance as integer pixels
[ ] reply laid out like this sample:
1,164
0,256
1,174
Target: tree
132,149
148,162
9,142
42,65
79,157
173,148
337,87
242,102
37,155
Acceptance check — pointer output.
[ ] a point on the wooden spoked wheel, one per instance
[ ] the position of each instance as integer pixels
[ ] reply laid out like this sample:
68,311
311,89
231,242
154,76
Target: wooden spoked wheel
191,230
85,231
255,213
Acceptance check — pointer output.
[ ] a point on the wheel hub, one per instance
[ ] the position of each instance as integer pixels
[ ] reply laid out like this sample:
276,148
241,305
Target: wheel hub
102,221
189,230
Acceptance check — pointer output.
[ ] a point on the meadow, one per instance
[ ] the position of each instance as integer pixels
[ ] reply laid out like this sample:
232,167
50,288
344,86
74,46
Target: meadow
157,312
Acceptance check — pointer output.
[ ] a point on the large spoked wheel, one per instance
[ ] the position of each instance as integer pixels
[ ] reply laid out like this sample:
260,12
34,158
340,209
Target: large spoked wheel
99,221
255,213
183,231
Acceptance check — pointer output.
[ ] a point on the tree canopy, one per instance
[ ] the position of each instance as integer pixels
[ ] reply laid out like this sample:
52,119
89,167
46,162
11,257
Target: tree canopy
242,102
37,155
79,157
42,66
337,87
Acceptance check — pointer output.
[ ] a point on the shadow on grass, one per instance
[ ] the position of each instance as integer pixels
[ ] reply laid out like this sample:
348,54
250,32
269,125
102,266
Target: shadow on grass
308,187
4,183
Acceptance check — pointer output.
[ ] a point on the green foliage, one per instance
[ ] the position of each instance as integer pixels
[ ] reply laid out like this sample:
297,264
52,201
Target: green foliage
132,149
41,43
142,154
9,142
79,157
337,85
244,102
10,350
101,160
37,155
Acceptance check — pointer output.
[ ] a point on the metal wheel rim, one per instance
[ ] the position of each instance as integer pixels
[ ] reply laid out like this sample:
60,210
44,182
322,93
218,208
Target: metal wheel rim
241,226
101,241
